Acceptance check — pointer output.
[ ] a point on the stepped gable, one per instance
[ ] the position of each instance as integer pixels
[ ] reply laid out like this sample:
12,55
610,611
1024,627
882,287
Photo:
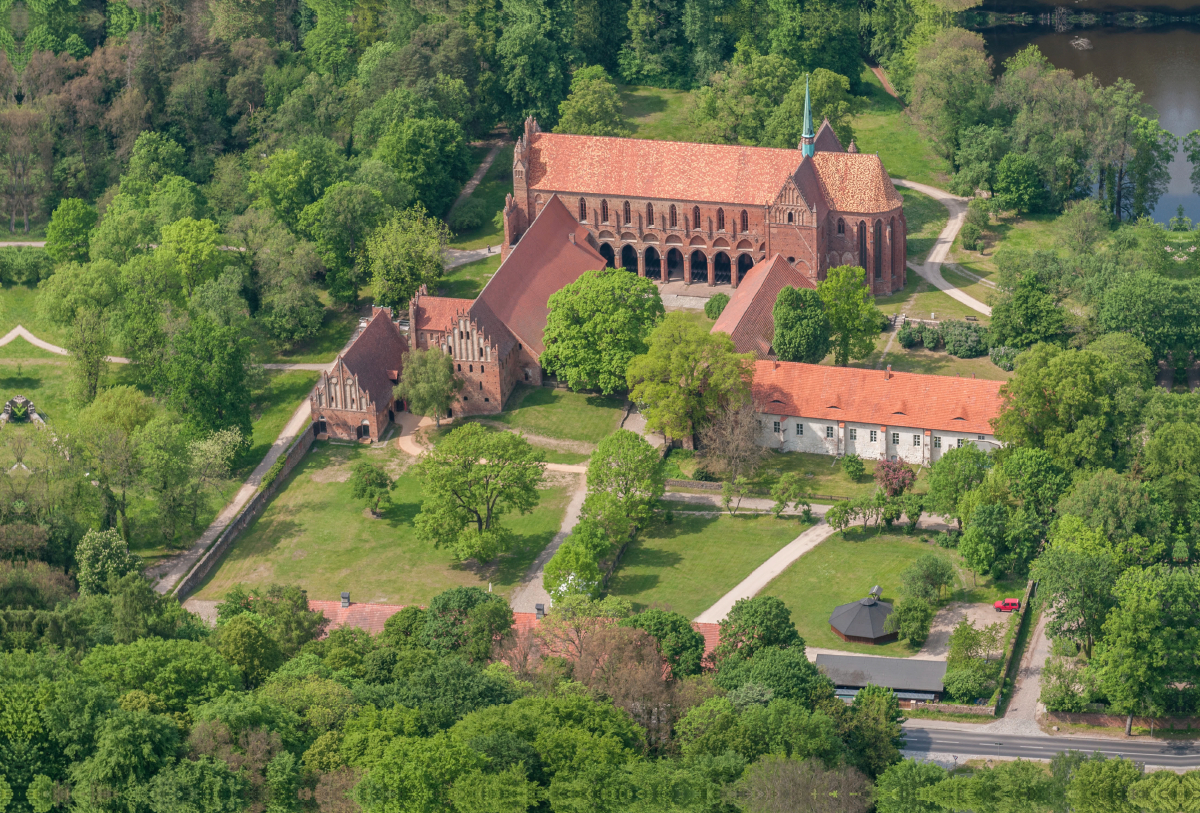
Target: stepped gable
641,168
555,251
946,403
374,355
856,182
748,318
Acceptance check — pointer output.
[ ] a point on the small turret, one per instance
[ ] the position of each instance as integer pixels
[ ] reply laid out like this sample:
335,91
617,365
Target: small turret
808,137
853,147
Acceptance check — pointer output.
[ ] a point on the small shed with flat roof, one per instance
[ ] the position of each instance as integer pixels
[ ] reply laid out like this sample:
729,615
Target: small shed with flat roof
912,680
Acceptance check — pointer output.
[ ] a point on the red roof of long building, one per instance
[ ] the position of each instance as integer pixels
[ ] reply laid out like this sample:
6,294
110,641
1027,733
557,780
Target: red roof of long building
880,397
553,253
749,317
719,173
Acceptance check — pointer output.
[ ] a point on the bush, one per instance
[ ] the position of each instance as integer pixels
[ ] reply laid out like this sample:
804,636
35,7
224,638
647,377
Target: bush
964,340
979,213
468,217
893,476
1004,357
912,619
967,684
22,265
853,466
971,236
931,337
907,335
715,305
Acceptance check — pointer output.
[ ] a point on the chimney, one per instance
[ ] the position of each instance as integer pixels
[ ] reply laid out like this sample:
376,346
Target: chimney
972,375
571,237
540,610
775,364
887,374
345,600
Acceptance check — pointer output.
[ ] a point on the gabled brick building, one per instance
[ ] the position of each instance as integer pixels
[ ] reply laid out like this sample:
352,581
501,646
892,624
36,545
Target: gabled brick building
496,340
749,317
709,212
353,398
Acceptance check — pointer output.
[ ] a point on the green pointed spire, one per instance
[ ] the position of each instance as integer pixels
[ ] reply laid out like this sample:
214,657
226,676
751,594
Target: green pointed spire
806,138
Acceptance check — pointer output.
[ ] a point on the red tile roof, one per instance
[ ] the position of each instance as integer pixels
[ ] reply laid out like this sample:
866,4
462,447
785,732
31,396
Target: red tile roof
856,182
945,403
748,318
437,312
672,170
369,617
712,637
554,252
378,349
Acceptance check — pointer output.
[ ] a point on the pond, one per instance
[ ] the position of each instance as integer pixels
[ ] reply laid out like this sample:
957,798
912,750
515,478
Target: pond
1162,60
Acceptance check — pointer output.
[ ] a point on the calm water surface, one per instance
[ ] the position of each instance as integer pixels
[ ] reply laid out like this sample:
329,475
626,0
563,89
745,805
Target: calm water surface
1163,62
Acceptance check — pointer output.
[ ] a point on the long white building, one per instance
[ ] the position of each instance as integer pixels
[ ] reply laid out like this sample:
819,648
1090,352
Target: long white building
876,414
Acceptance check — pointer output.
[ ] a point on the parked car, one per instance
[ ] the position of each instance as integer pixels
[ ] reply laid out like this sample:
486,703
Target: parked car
1008,605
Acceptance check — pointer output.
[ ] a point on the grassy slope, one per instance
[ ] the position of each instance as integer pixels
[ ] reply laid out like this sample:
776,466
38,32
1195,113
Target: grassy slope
656,113
496,183
844,568
883,126
926,218
689,564
315,535
1030,233
337,326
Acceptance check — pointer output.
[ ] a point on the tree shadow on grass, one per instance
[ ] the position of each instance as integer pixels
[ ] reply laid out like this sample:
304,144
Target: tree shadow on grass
636,105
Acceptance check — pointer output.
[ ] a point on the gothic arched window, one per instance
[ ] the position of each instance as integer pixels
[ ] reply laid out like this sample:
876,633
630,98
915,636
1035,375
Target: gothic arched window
696,218
745,221
628,219
582,210
720,220
791,217
604,211
671,215
841,226
878,247
649,214
862,244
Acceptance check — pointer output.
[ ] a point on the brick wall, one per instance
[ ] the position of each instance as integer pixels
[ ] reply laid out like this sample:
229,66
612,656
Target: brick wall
298,448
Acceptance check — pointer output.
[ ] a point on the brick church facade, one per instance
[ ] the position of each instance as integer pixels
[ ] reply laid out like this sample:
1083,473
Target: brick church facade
353,398
707,213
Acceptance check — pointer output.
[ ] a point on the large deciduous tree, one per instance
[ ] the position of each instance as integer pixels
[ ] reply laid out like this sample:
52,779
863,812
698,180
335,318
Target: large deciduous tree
850,308
430,156
593,106
596,325
687,377
69,230
427,383
404,254
802,329
472,479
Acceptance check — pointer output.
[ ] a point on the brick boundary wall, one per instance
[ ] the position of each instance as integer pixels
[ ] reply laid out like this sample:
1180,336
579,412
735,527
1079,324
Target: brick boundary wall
1010,650
1118,720
250,511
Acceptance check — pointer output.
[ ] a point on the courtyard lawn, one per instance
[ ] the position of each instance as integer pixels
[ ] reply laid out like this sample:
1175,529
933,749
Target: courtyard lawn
930,303
938,362
315,535
822,473
846,566
657,113
561,414
496,183
688,564
895,303
883,125
570,453
467,280
926,218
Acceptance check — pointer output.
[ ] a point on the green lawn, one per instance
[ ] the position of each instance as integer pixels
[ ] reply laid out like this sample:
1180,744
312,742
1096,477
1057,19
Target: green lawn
270,410
895,302
823,473
466,281
984,293
884,126
496,183
18,348
690,563
926,218
562,414
657,113
1030,233
315,535
937,362
845,567
930,300
548,454
18,306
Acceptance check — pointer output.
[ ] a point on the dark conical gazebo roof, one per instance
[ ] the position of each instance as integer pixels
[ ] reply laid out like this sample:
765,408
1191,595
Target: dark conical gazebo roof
861,619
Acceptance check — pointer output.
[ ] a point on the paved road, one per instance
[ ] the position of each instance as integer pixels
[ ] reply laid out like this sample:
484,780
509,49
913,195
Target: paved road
966,743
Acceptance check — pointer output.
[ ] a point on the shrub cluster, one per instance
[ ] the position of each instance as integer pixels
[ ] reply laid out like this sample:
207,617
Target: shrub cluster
22,265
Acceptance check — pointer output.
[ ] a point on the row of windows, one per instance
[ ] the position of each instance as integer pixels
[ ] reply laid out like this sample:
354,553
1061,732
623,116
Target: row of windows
672,216
470,368
916,439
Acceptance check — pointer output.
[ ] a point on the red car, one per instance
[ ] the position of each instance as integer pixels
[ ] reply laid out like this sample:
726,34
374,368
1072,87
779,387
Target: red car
1008,605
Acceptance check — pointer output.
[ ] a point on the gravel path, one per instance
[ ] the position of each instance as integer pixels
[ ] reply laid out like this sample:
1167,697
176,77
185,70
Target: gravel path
932,268
20,332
